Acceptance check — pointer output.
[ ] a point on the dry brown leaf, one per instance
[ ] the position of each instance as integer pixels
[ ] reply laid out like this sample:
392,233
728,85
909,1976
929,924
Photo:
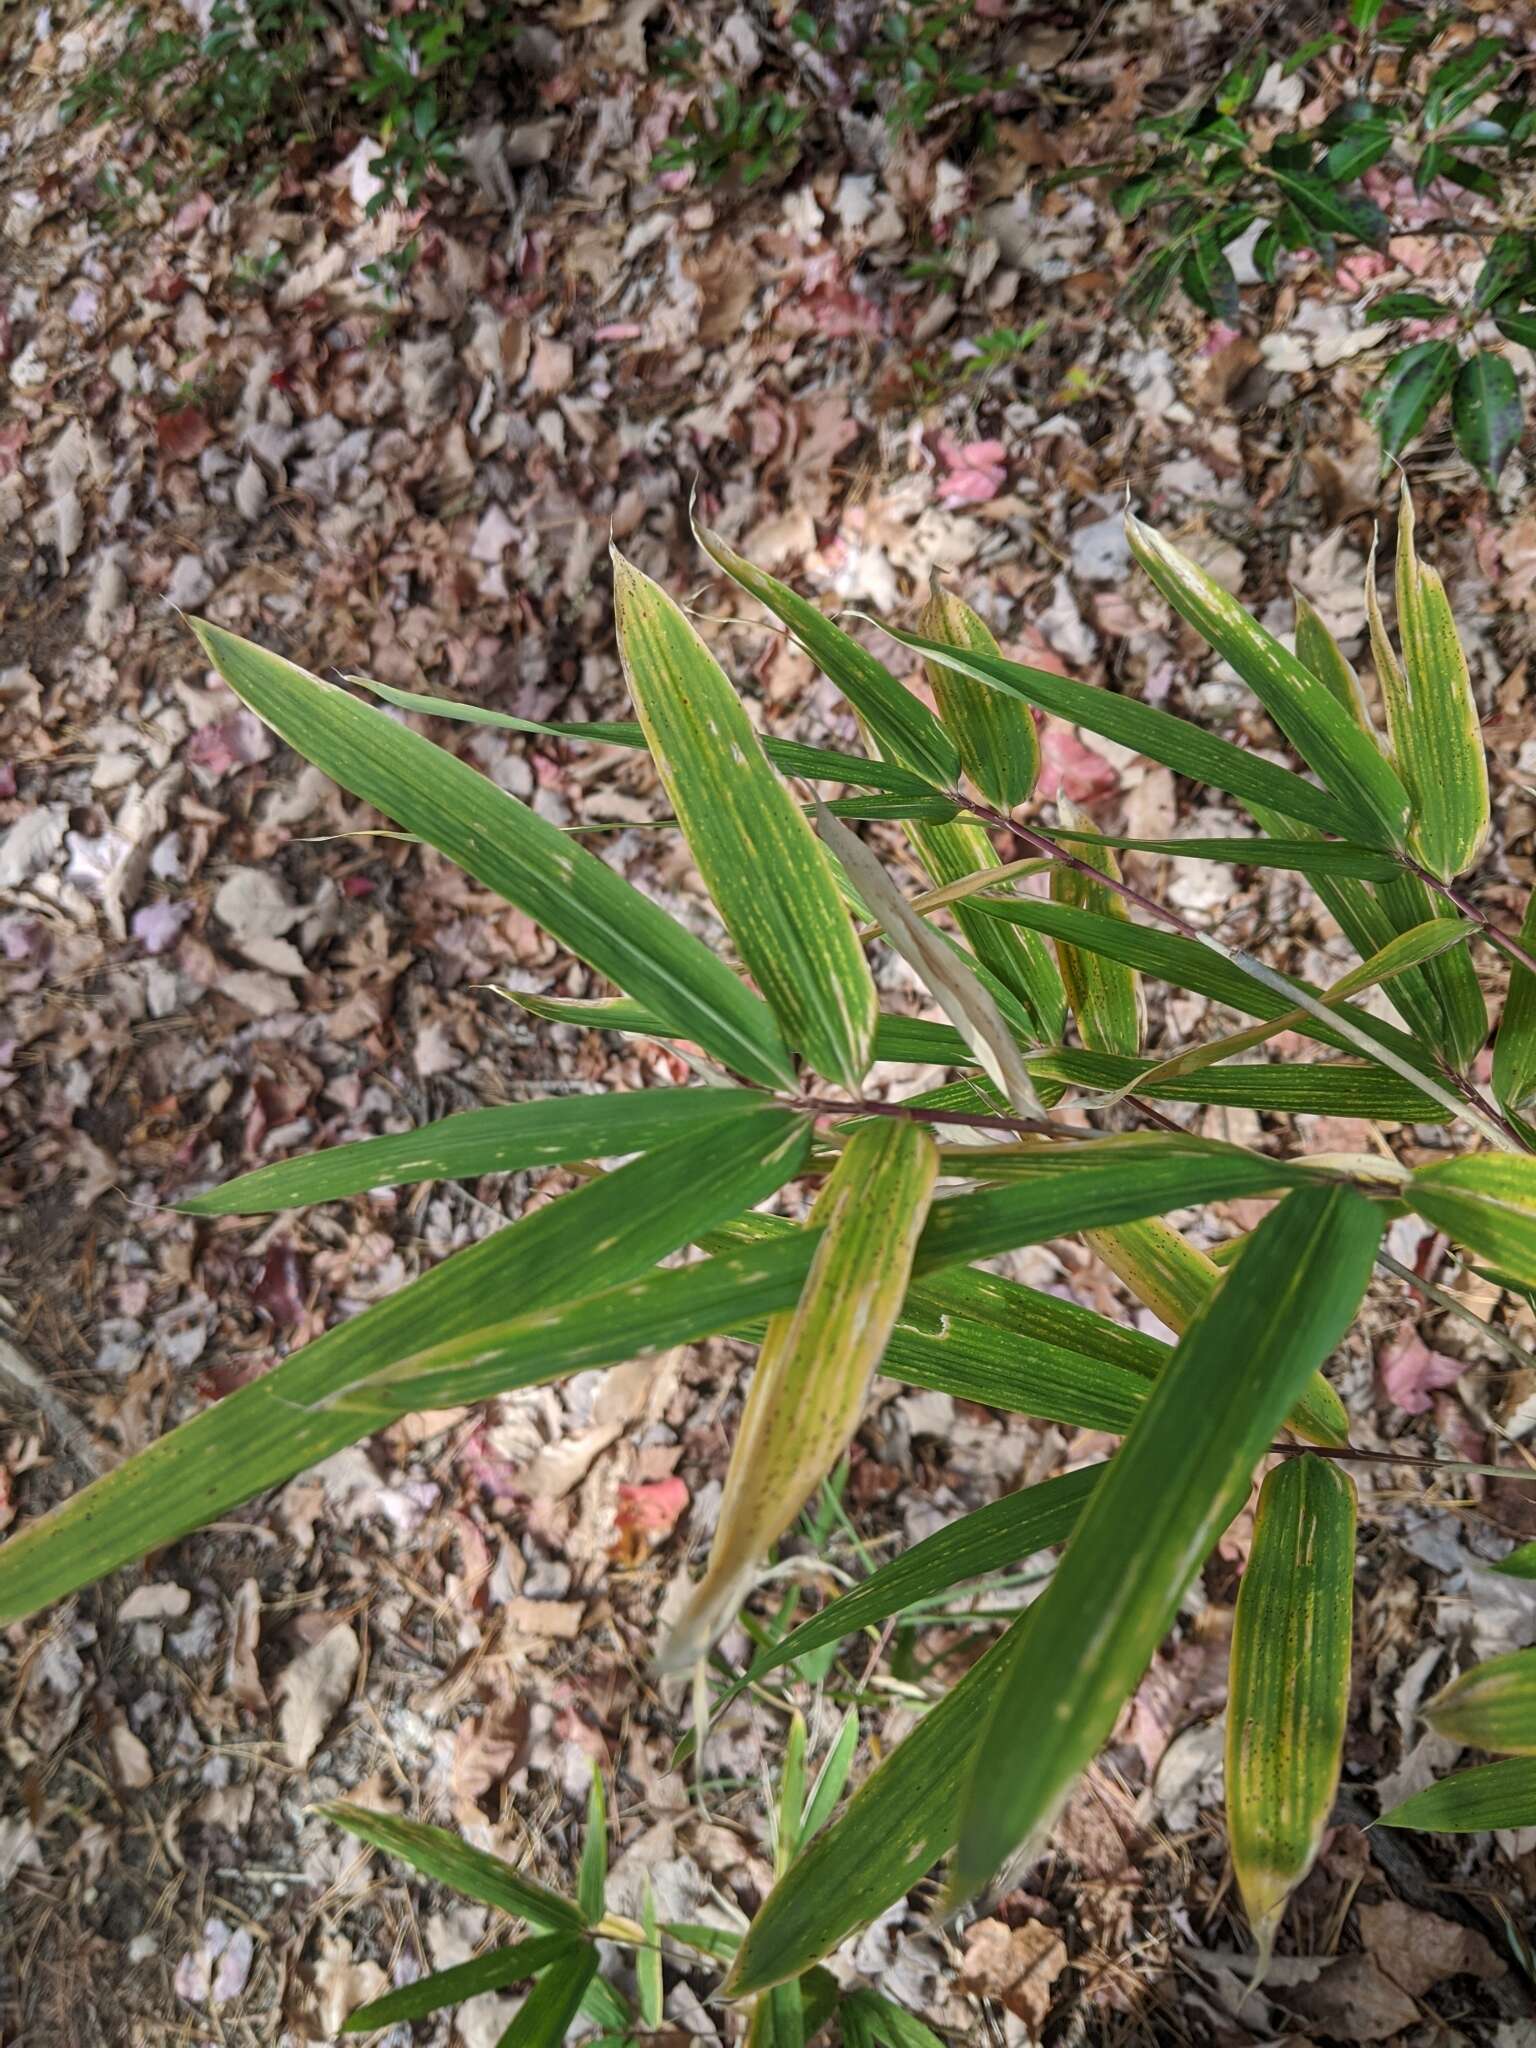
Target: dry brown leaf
312,1689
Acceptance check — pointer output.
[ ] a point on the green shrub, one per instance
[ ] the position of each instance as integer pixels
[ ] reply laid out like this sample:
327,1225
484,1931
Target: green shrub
1042,1001
1430,99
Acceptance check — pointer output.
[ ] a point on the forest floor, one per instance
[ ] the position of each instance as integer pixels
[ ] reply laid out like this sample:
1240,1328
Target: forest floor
213,407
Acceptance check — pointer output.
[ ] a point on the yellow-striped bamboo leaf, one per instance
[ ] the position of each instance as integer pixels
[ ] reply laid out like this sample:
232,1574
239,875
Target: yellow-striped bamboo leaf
1468,1802
1288,1700
760,860
1105,994
549,1132
1178,1479
1432,715
511,849
1176,742
905,728
1492,1706
347,1384
1323,731
1486,1201
999,747
1317,650
812,1376
1514,1049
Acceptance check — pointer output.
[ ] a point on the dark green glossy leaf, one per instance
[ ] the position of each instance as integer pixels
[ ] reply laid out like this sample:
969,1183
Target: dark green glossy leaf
1487,413
493,1971
1499,1795
1411,386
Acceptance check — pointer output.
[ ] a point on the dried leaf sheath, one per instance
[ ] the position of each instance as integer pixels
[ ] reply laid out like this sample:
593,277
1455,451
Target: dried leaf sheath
813,1372
1289,1695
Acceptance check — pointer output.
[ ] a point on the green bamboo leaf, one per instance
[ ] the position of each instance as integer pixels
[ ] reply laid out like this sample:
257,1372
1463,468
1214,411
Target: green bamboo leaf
1411,386
760,860
345,1384
790,757
968,1004
448,1859
870,2021
592,1878
906,729
1105,994
897,1825
1487,413
1338,1088
1187,964
1004,1532
1457,1023
649,1984
1514,1048
493,1971
590,910
1180,1476
1288,1701
1520,1563
1319,652
1492,1706
1432,714
1306,856
547,2012
790,1806
999,747
1486,1201
1158,734
812,1376
1491,1796
550,1132
1323,732
831,1779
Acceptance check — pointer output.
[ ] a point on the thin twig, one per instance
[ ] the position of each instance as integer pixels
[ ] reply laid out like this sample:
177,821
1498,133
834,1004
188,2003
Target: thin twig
910,1112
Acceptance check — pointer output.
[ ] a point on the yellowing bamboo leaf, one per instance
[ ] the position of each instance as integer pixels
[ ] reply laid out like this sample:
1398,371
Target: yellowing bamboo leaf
511,849
1288,1701
1178,1479
1486,1201
1432,716
1514,1049
999,747
970,1008
1317,650
759,858
1492,1706
812,1375
1323,731
905,728
1105,994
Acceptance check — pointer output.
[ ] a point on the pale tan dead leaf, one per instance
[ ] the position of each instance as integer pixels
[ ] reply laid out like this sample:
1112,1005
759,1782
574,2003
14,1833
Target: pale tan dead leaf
241,1679
1016,1965
128,1758
312,1689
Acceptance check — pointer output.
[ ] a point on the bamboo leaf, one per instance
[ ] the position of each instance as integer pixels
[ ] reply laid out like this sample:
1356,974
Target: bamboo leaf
906,729
493,1971
1486,1201
1158,734
1520,1563
1318,651
896,1826
760,860
649,1983
1334,1088
831,1779
958,852
1180,1476
592,1878
1306,856
448,1859
1002,1533
589,909
1323,732
812,1376
1491,1796
1288,1701
1105,994
1514,1048
346,1384
790,757
969,1007
550,1132
547,2012
1432,715
999,747
1492,1706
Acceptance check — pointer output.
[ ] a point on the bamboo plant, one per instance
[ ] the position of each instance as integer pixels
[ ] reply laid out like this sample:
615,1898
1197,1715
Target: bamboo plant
1039,1002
